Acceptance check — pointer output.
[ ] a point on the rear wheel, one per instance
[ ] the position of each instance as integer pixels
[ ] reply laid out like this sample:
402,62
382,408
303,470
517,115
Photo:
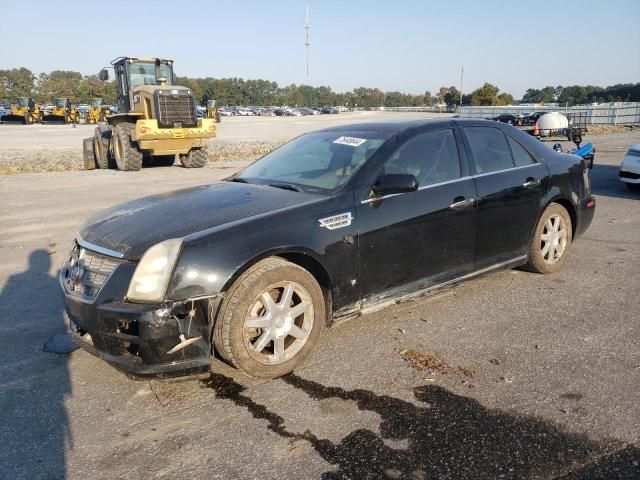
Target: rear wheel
101,149
551,241
196,158
128,156
270,319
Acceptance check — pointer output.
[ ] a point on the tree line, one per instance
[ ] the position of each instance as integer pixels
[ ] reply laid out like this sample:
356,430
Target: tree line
21,82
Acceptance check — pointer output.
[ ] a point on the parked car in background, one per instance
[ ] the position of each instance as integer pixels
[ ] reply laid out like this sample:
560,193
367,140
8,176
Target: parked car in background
508,118
333,224
630,168
532,118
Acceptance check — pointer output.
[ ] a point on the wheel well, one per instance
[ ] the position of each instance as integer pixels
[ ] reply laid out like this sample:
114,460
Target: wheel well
305,261
569,207
318,271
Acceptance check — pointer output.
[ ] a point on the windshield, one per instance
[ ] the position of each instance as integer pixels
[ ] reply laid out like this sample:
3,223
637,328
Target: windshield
23,102
145,74
60,102
315,161
96,102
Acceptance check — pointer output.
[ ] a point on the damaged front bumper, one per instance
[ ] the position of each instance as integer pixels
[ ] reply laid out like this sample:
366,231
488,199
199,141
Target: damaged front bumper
139,339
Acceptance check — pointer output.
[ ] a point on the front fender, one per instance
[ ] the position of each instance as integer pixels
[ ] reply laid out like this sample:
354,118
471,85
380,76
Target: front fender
211,261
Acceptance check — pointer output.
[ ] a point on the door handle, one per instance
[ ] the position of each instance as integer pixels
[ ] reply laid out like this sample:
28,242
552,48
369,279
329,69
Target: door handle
531,182
461,202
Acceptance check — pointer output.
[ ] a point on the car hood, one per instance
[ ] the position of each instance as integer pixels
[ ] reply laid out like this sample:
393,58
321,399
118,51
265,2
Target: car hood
131,228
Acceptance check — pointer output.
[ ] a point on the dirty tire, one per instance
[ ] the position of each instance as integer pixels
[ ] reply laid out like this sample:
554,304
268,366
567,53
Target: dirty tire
229,330
101,149
537,261
128,156
196,158
88,156
27,119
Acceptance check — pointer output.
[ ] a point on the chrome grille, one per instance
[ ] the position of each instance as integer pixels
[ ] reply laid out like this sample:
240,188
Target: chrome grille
86,272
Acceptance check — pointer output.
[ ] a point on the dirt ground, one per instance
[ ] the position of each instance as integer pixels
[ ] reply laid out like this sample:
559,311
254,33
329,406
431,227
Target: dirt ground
514,375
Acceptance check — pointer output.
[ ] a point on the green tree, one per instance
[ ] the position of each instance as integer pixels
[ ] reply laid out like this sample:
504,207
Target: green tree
485,96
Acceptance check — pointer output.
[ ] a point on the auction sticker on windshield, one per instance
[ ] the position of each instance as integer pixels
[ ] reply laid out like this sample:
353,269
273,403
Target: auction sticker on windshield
351,141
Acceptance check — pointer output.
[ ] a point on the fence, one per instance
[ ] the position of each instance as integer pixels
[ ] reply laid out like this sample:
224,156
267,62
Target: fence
603,114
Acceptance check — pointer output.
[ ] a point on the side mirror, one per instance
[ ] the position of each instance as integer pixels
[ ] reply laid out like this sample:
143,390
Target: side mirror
104,75
392,183
174,79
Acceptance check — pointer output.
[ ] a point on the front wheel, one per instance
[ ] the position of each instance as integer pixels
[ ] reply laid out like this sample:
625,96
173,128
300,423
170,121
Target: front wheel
551,241
271,319
128,155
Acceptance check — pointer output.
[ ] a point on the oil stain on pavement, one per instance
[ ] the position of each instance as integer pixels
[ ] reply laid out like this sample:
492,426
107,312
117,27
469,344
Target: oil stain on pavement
447,436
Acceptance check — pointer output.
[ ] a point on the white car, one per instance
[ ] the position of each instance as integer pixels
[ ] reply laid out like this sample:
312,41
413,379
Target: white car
630,167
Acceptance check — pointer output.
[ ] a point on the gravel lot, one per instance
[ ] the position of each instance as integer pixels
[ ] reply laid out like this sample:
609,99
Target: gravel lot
47,148
514,375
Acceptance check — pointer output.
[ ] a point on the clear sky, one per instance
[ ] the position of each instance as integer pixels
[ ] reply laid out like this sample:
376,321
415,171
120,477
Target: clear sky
406,45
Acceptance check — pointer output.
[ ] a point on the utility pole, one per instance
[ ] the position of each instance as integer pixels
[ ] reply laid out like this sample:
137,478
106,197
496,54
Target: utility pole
306,40
461,77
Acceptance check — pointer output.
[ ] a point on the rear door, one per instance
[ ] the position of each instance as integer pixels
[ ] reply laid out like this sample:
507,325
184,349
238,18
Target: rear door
511,185
421,237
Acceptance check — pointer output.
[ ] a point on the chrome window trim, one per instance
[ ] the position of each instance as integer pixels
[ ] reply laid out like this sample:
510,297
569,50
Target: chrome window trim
505,170
369,200
98,249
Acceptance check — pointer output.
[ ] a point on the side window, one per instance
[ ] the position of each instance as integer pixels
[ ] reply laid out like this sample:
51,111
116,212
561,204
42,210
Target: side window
431,157
520,155
489,148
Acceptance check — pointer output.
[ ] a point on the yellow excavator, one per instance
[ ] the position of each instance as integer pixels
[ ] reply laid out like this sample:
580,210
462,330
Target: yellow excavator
62,112
156,120
97,112
24,111
212,111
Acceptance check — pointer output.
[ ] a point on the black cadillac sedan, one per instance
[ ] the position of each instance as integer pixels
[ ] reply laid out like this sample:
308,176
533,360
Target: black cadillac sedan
333,224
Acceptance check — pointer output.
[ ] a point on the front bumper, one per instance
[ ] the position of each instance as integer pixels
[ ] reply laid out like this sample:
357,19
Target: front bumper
136,338
173,140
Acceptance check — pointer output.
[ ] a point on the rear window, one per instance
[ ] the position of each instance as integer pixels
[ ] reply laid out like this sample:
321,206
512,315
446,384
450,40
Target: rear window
489,149
521,156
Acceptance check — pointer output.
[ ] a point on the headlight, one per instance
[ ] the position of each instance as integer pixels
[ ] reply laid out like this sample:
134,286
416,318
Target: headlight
151,278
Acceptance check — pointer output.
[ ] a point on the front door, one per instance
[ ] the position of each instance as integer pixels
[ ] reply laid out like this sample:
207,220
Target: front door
413,240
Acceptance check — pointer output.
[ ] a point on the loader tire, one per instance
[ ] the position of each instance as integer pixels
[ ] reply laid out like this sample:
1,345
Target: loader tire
125,149
101,149
196,158
27,119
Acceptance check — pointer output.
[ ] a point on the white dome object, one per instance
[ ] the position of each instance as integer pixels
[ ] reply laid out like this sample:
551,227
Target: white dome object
552,121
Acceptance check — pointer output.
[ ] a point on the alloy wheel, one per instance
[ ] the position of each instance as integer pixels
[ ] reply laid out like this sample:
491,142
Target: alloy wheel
553,239
278,323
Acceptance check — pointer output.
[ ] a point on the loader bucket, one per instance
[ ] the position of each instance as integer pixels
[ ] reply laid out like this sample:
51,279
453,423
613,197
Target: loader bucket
58,119
10,118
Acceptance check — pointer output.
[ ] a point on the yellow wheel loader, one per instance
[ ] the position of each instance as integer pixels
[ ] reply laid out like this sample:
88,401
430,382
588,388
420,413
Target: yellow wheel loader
156,120
97,112
212,111
24,111
62,112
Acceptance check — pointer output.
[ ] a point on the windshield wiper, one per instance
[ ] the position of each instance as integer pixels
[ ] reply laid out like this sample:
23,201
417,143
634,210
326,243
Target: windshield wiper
285,186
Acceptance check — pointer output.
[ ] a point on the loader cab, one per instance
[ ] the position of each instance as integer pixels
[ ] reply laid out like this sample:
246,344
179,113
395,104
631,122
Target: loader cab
133,72
23,102
96,102
62,102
